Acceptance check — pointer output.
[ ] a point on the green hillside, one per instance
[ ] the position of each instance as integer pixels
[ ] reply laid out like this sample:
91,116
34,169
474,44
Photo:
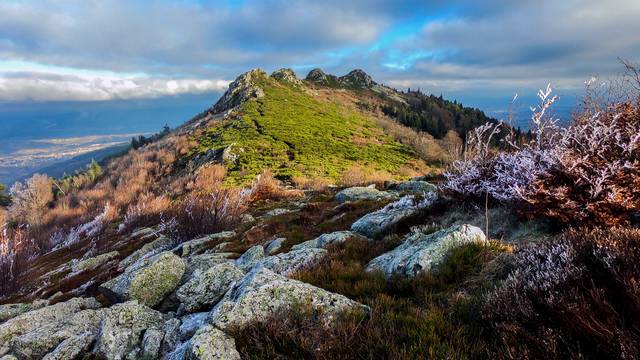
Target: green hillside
293,133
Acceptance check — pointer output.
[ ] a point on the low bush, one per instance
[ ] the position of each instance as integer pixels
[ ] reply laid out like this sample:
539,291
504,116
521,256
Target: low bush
574,297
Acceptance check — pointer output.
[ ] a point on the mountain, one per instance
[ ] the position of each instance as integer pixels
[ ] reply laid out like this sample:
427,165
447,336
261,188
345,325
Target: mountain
301,219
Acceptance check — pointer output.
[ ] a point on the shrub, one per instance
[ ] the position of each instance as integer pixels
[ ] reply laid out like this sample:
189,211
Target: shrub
588,171
30,199
575,297
5,199
266,187
359,175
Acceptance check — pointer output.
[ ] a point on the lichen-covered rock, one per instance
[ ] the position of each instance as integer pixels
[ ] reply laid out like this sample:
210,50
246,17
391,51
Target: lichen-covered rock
250,257
356,79
148,280
72,348
92,263
46,338
416,187
421,252
286,75
147,250
385,219
263,293
242,89
151,343
122,329
171,338
9,311
292,261
27,322
362,193
200,245
277,212
274,246
199,263
207,287
325,240
210,343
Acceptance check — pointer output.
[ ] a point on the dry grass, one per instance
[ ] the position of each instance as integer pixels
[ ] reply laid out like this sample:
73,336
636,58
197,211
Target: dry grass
359,175
314,184
266,187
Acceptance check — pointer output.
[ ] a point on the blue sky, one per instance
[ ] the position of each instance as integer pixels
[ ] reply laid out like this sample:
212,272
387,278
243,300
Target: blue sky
480,51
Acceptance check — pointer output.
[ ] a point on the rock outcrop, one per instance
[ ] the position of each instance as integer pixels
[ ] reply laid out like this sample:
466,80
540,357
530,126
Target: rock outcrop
250,258
384,220
210,343
147,250
292,261
242,89
356,79
286,75
421,252
94,262
203,244
263,293
148,280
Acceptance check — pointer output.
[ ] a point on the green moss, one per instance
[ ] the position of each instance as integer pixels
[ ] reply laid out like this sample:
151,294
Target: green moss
294,134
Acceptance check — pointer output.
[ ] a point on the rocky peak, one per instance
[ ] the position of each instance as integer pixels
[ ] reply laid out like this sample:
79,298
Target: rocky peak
241,89
358,79
286,74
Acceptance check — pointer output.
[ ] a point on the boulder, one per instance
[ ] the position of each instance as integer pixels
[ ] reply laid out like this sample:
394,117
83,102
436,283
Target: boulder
274,246
250,257
356,79
286,75
191,323
63,336
27,322
277,212
123,327
147,250
416,187
92,263
151,344
171,339
210,343
362,193
72,348
263,293
199,263
324,240
200,245
292,261
148,280
8,311
382,221
421,252
207,287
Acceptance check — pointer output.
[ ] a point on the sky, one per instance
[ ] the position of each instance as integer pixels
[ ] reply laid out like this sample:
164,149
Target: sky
479,51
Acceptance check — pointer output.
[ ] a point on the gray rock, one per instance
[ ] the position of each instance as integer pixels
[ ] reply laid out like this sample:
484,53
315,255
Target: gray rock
274,246
122,329
356,79
292,261
9,311
146,251
200,245
67,332
317,76
171,339
416,187
210,343
277,212
421,252
263,293
27,322
199,263
385,219
148,280
362,193
8,357
242,89
92,263
72,348
325,240
207,287
191,323
286,75
250,257
151,343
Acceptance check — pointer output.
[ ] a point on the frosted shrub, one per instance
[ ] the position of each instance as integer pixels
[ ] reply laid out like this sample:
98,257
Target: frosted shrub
585,172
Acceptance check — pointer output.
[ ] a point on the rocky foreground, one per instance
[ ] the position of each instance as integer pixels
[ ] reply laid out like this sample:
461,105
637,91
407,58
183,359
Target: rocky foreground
180,301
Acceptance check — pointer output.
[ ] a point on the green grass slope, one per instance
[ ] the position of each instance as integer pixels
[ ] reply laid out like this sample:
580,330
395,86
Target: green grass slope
294,134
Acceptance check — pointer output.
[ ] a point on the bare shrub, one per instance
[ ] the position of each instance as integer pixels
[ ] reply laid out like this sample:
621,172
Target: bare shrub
266,187
31,198
208,178
574,297
313,184
359,175
427,148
